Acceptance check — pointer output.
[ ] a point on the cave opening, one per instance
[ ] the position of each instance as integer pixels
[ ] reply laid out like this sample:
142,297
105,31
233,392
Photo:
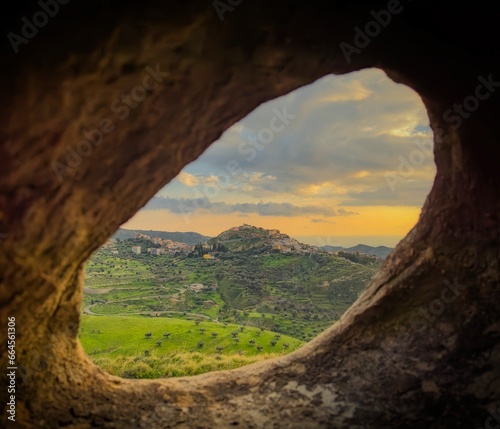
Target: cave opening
267,238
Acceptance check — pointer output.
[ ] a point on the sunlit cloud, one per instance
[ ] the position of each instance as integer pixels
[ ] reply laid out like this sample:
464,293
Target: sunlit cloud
187,179
349,91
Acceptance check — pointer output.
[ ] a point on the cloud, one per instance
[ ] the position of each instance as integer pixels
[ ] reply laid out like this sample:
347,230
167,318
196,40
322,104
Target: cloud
176,205
347,132
204,205
187,179
348,91
320,221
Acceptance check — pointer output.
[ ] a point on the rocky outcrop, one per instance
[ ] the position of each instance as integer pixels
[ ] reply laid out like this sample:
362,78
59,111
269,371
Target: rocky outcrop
109,100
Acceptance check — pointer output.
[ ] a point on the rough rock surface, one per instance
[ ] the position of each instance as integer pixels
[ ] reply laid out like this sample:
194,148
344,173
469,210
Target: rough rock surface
419,349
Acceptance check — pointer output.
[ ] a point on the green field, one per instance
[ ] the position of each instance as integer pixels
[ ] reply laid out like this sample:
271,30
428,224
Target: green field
245,287
294,294
118,344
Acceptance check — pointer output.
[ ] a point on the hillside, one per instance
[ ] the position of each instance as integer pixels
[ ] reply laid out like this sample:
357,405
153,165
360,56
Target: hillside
246,237
380,251
246,295
181,237
245,275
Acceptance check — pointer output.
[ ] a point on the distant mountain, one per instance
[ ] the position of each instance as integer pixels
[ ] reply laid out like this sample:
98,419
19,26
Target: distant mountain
379,251
124,234
181,237
333,248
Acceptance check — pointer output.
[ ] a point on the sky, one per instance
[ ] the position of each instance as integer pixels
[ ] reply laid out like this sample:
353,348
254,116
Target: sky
345,160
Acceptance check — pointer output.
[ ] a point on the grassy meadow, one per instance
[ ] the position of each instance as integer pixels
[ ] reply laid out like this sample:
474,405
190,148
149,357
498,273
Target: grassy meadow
119,345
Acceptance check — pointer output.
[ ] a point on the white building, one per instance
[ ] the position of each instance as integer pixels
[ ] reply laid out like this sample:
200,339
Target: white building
136,250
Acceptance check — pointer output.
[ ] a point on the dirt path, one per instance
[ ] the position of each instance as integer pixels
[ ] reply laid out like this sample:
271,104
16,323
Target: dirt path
89,291
88,310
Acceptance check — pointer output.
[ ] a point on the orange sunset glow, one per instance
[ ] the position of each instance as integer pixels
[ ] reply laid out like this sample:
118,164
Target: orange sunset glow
345,160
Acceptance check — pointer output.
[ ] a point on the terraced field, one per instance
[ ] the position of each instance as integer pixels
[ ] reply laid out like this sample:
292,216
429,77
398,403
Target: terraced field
293,295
